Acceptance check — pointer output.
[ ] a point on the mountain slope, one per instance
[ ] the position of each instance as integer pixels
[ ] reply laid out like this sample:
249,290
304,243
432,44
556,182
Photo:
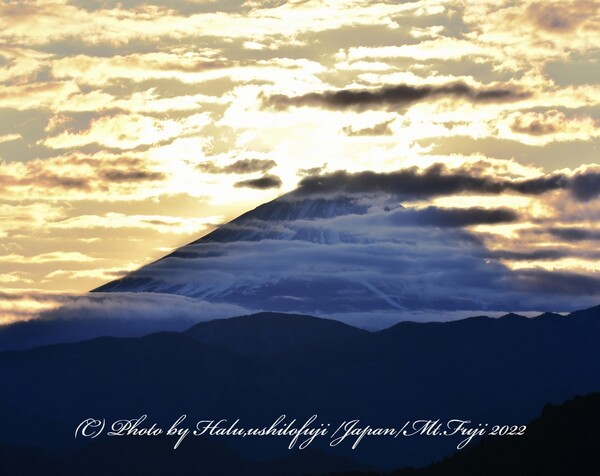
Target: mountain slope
354,258
562,440
267,333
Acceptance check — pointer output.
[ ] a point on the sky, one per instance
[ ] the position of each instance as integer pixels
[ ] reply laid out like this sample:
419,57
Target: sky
130,128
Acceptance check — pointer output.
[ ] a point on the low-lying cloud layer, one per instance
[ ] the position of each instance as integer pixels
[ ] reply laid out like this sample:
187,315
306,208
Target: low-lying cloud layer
53,318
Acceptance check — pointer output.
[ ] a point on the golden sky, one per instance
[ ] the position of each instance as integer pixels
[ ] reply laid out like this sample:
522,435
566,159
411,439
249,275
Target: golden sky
130,128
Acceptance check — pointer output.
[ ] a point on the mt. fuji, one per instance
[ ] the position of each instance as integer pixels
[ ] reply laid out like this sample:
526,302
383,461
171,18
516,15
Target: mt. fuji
359,257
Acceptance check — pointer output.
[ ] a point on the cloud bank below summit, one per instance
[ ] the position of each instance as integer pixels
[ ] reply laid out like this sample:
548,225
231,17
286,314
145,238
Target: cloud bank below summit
129,312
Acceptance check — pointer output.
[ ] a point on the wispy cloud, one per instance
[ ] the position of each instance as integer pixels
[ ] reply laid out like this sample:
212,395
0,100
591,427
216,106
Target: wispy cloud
59,256
124,313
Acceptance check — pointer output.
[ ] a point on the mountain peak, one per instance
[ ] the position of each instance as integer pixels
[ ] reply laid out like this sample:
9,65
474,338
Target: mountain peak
359,257
268,332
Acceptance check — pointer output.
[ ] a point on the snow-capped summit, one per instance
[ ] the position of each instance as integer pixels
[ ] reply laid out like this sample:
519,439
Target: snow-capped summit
271,257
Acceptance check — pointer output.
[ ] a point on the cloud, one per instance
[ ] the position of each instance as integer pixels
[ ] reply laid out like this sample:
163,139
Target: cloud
116,175
47,180
536,32
181,6
156,223
381,129
15,277
79,175
63,317
585,186
561,17
535,127
241,166
443,48
57,256
263,183
146,23
574,234
540,128
140,306
312,171
10,137
98,273
393,97
126,131
454,217
434,181
559,282
542,254
35,95
44,179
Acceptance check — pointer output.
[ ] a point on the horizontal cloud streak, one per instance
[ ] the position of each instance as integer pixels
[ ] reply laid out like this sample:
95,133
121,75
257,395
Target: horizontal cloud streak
53,318
433,181
262,183
574,234
242,166
412,183
456,217
395,96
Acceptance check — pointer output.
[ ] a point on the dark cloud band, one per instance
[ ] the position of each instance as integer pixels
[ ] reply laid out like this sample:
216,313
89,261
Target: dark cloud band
574,234
437,181
242,166
130,175
455,217
412,183
395,96
262,183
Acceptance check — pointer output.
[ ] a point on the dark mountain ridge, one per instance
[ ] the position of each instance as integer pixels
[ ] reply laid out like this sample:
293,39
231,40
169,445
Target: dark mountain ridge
269,332
562,440
48,331
256,368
